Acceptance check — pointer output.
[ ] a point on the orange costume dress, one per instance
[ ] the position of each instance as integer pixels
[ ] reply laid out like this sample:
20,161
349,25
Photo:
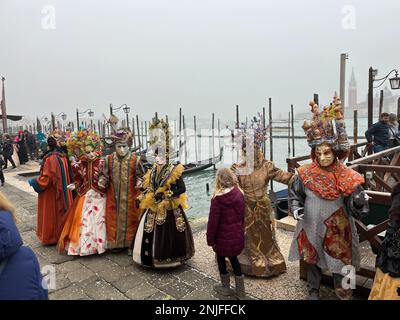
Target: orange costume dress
54,198
84,232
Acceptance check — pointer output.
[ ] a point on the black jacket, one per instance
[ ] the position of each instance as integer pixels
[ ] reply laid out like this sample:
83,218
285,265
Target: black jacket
378,133
8,149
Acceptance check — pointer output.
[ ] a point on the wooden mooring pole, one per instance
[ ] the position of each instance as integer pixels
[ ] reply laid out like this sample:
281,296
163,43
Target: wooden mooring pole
289,135
133,133
138,132
271,153
263,123
355,127
380,104
195,137
292,118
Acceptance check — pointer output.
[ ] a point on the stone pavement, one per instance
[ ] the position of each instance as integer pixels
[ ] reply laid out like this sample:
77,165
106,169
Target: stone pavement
115,276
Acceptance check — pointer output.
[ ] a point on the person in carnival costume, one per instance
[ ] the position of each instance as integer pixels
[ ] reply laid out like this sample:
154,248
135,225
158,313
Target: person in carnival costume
261,255
164,237
323,198
123,174
54,198
84,232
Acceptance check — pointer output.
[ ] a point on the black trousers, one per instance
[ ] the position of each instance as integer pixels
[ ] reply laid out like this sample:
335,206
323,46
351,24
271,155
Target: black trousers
9,158
234,262
1,176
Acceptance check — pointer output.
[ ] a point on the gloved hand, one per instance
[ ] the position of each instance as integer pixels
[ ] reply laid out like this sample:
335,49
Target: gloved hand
361,199
298,214
159,197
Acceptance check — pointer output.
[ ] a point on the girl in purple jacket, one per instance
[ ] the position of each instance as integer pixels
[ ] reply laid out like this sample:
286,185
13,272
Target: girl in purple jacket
225,230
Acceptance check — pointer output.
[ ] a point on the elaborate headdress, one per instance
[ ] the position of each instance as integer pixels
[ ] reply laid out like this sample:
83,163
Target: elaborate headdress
78,142
255,132
59,135
160,136
122,136
327,126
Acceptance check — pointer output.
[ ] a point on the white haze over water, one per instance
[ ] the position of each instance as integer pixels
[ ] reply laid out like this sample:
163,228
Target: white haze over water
204,56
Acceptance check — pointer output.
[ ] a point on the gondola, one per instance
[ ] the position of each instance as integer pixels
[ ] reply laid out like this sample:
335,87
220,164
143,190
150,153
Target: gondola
193,167
203,165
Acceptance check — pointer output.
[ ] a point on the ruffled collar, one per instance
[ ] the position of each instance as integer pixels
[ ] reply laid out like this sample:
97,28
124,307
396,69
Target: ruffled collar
329,183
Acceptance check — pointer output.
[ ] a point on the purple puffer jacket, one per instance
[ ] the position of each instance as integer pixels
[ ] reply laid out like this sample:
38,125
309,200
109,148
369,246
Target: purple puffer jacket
225,229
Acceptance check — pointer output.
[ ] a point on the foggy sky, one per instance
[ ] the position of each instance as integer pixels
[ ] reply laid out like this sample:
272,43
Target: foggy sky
202,55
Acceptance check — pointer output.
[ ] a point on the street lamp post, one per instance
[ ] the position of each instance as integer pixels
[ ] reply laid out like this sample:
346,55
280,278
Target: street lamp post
394,84
89,111
126,109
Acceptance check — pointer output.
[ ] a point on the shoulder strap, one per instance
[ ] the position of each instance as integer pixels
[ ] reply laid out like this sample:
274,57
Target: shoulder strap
3,264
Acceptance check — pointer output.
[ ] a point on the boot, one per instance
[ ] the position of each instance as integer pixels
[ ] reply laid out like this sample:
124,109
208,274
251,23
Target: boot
224,287
240,292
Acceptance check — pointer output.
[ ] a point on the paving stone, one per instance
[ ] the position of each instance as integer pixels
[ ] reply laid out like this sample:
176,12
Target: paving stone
69,266
199,295
50,253
102,290
128,282
121,259
177,289
206,282
42,261
191,276
161,278
30,239
141,292
61,282
160,296
80,274
73,292
93,261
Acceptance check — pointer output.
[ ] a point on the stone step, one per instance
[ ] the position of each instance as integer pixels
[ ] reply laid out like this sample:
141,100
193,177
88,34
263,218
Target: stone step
287,223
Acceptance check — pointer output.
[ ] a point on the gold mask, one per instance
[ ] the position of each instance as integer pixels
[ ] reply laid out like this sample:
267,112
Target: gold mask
324,154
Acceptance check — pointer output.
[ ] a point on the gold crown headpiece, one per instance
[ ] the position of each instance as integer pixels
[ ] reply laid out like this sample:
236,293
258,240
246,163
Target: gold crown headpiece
327,126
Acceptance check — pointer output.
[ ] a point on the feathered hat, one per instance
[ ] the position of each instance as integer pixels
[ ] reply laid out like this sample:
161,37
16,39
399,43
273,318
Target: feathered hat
122,135
59,135
327,126
160,137
78,142
256,132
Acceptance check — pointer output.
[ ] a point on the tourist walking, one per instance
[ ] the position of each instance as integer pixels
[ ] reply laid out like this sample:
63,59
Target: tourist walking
8,150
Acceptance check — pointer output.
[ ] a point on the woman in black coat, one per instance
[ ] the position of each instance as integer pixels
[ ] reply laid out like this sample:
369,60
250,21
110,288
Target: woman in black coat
22,150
